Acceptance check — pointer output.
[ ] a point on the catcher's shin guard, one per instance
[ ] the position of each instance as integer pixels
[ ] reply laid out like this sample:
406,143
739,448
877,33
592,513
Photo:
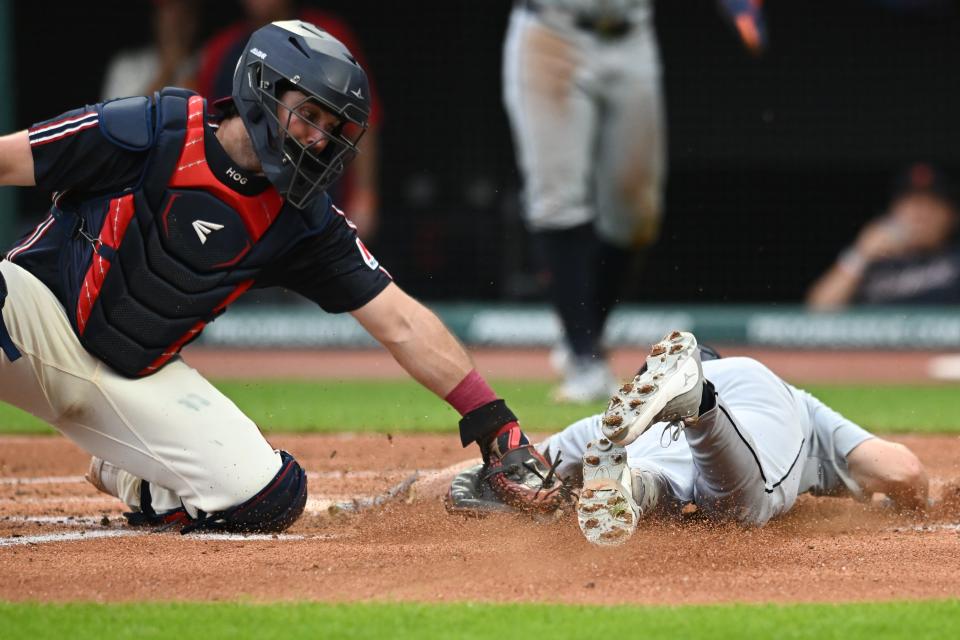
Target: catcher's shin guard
273,509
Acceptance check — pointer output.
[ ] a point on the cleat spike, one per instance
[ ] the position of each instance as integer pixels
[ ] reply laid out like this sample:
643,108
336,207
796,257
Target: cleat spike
613,420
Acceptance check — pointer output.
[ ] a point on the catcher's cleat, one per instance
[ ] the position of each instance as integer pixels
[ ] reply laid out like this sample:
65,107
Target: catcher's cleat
105,477
614,497
669,389
519,475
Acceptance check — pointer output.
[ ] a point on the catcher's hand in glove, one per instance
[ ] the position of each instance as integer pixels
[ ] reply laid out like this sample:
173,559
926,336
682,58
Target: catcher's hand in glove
516,472
519,475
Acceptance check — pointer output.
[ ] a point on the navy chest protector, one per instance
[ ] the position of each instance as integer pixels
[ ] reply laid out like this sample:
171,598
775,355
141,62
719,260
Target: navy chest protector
153,265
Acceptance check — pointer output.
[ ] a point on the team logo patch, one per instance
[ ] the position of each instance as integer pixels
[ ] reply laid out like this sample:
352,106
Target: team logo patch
204,228
367,256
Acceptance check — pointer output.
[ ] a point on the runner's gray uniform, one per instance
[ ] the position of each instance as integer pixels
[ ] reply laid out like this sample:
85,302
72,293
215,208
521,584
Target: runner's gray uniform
765,443
586,112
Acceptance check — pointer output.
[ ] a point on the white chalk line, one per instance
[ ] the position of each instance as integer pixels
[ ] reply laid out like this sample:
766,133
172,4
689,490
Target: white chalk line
67,536
105,499
43,480
315,506
924,528
311,475
94,534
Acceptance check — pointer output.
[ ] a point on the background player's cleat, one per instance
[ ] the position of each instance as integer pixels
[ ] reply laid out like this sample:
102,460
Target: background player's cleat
668,390
614,497
586,380
560,357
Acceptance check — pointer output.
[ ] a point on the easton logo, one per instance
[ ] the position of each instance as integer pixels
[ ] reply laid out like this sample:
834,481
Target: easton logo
204,228
258,53
236,176
358,92
367,256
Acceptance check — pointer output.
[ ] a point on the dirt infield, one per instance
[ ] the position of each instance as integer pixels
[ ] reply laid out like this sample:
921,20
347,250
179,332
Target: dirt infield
60,540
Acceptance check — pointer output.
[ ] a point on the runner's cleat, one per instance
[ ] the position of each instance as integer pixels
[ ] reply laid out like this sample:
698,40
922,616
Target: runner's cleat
668,389
614,497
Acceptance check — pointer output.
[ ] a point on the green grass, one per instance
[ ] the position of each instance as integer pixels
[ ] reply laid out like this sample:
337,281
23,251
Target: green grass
397,406
909,620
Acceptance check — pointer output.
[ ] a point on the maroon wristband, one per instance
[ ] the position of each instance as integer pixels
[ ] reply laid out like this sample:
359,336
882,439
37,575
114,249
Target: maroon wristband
472,392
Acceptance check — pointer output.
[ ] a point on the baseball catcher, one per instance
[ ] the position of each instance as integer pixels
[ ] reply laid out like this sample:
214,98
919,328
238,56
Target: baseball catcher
162,216
726,435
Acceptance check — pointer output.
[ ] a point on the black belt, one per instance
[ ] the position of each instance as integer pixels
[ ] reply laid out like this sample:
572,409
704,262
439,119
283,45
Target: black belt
6,343
603,26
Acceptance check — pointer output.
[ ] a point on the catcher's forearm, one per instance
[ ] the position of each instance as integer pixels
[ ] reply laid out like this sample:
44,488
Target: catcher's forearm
423,346
417,339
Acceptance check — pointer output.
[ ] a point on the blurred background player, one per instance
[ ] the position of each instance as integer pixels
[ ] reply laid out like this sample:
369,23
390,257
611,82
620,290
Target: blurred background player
581,86
169,61
359,191
908,255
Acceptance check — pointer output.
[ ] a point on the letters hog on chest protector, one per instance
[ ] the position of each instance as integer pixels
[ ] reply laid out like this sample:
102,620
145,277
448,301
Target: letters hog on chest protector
162,260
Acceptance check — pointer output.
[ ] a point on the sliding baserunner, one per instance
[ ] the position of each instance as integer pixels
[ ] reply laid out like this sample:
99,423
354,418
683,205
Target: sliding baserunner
727,435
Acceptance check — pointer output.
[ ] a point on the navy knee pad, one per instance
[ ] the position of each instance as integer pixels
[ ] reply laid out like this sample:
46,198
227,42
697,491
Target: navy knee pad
275,508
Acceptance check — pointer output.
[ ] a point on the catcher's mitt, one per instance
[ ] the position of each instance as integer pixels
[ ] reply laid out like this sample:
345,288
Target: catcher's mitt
520,476
470,494
516,472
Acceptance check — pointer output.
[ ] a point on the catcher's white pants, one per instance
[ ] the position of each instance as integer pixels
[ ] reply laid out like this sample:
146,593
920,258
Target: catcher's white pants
587,119
748,459
173,428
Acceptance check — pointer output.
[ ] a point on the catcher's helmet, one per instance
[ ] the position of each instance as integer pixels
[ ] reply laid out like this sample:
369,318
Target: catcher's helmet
298,55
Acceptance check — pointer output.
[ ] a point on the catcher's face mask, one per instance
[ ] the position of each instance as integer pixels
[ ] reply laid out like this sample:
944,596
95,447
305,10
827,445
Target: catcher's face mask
314,142
305,103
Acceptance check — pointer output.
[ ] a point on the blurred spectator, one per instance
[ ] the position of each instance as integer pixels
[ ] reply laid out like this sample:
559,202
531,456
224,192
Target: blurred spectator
358,190
171,59
908,255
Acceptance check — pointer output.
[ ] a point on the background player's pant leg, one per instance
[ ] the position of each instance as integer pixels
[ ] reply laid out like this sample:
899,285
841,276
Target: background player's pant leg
729,480
631,155
173,428
547,89
552,110
631,165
